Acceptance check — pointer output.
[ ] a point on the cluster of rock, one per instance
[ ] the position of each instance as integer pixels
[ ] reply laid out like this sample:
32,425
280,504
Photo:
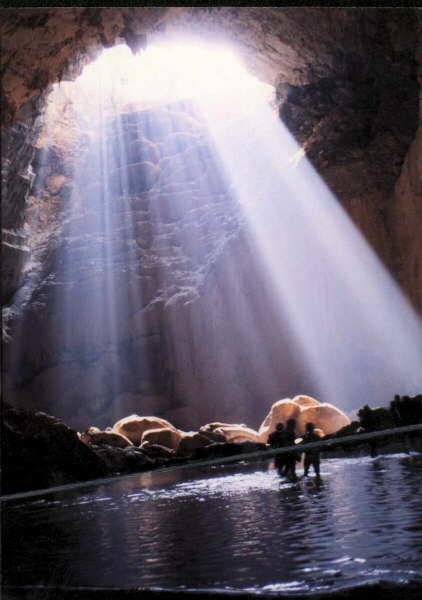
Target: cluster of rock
40,451
136,442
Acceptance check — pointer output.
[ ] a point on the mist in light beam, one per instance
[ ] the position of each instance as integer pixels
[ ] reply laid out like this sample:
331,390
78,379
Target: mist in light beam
344,318
356,329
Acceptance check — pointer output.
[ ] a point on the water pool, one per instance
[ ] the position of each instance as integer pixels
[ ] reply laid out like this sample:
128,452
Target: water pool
236,527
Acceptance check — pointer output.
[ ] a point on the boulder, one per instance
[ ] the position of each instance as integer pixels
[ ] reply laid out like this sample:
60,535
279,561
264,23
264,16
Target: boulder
229,432
170,438
238,434
192,440
134,426
280,412
157,452
325,416
305,401
40,451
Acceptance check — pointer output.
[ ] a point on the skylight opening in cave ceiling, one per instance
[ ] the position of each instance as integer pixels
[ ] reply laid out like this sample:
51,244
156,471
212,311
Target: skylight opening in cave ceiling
167,72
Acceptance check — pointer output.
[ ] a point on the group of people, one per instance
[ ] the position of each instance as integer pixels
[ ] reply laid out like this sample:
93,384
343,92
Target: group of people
286,463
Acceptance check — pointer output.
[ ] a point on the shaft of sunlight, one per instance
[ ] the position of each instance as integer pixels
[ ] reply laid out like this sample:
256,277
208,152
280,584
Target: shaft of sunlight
355,331
354,325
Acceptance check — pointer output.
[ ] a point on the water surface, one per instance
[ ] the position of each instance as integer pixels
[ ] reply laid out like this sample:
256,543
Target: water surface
230,527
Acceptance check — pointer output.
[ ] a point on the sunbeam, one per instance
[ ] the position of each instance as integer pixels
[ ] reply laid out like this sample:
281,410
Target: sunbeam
188,186
353,324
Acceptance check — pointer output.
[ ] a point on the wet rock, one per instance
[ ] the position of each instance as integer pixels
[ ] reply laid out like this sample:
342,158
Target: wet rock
40,451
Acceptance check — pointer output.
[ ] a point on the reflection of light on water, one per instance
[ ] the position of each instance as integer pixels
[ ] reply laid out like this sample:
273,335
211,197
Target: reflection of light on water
227,485
257,542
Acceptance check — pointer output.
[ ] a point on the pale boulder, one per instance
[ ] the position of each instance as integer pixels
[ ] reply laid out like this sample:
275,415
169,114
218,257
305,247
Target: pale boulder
305,401
239,434
325,416
134,426
281,411
170,438
229,432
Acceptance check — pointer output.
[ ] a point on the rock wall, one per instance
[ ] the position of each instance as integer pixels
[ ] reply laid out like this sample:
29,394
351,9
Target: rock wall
347,85
18,151
141,224
407,210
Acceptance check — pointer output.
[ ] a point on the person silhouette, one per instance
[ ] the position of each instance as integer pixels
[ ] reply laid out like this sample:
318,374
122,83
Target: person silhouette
311,456
291,457
278,439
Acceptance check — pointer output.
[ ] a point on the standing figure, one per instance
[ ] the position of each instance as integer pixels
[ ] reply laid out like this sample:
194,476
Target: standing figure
311,456
291,457
278,439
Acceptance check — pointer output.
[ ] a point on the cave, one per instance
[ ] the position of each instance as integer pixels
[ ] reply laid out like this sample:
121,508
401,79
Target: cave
186,270
199,336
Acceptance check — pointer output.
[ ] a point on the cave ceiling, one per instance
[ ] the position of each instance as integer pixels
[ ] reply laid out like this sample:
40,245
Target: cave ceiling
297,46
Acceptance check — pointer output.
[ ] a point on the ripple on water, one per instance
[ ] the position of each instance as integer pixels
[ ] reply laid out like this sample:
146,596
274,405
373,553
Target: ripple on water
226,530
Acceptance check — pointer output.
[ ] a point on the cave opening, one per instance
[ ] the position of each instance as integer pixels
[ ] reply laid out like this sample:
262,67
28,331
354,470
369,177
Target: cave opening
193,254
